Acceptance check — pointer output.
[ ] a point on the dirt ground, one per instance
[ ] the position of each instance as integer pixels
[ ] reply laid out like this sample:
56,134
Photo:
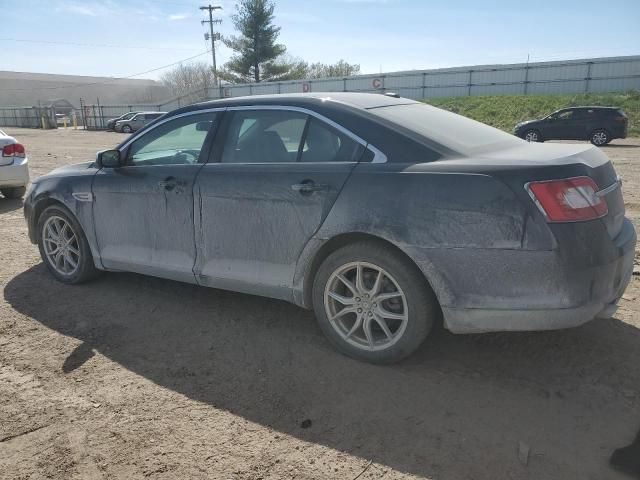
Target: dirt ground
131,377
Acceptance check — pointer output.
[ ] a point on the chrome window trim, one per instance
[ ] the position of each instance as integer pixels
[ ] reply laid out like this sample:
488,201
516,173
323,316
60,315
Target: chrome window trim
378,156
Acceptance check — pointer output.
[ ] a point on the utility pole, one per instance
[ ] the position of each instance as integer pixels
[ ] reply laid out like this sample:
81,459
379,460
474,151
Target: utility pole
212,36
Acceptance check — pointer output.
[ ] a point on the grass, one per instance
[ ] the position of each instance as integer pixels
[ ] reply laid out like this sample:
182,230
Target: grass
504,111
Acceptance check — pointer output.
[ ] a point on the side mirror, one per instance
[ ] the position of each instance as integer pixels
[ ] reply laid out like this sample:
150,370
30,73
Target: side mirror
109,159
203,126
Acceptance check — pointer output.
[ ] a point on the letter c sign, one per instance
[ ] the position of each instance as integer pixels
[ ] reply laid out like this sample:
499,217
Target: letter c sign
376,83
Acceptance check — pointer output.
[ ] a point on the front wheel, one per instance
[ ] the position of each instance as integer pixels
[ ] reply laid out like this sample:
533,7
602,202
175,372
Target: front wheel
126,129
63,247
532,136
15,192
600,137
373,303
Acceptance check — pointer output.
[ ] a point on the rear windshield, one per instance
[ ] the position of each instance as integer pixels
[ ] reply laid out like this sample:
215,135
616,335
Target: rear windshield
458,133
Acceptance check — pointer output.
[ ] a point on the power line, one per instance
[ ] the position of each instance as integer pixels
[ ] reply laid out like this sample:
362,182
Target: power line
76,44
106,81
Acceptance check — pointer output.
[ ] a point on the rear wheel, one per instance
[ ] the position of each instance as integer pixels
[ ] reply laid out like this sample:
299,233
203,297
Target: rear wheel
63,247
372,303
532,136
600,137
15,192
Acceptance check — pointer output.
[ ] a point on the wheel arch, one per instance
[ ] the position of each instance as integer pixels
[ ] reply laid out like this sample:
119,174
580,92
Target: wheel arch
41,204
341,240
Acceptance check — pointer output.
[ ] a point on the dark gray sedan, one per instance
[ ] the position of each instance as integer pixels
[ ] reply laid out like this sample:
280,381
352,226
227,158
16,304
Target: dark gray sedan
382,214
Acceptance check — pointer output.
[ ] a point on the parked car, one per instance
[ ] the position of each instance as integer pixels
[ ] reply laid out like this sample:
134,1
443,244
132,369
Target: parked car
600,125
136,122
62,119
14,170
111,123
379,213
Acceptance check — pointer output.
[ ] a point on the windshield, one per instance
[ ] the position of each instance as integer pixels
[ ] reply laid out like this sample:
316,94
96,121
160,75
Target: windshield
456,132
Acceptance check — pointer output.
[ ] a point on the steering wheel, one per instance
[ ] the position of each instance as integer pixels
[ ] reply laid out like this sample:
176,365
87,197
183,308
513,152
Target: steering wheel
187,156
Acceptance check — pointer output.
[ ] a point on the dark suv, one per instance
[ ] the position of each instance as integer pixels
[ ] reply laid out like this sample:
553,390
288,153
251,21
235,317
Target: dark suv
598,124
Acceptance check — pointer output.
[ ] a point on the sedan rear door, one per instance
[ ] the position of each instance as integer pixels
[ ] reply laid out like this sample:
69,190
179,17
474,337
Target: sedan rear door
274,177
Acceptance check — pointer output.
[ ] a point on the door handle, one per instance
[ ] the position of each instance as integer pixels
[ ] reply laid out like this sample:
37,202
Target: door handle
168,183
309,186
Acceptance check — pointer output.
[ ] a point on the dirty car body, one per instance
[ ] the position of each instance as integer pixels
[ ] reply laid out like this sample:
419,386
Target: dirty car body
459,201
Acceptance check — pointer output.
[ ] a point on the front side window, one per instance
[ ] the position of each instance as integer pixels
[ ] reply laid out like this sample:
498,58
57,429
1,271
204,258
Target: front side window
264,136
566,115
176,142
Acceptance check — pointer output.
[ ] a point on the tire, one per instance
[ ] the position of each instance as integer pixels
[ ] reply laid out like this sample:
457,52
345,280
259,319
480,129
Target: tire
85,269
600,137
532,136
126,129
413,300
15,192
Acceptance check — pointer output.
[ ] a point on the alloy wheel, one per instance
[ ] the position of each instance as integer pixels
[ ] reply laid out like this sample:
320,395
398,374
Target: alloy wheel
61,245
531,136
599,138
366,306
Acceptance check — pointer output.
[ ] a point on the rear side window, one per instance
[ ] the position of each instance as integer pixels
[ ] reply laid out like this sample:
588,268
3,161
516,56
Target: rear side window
264,136
283,136
325,144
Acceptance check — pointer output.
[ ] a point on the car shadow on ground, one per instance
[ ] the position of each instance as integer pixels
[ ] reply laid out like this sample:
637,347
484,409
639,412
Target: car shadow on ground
459,408
9,204
618,145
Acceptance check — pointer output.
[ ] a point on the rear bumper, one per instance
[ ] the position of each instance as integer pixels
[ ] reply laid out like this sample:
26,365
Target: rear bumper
519,290
15,175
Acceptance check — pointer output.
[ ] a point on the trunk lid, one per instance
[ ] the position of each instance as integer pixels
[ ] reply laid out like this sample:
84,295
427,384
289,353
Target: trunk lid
557,161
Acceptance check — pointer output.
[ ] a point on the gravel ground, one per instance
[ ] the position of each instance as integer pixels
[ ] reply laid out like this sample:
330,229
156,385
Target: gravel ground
133,377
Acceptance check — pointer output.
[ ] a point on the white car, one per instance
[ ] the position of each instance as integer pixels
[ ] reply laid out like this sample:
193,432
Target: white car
14,171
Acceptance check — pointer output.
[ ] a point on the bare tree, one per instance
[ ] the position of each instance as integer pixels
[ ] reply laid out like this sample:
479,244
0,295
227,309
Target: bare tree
188,79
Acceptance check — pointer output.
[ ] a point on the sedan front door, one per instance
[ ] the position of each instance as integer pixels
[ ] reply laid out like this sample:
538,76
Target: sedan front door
143,211
274,178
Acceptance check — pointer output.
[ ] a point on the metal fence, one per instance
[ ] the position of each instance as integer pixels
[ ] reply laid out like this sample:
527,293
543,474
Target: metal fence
28,117
610,74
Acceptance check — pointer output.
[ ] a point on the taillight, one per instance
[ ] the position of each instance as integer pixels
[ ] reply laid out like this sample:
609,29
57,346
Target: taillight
13,150
620,119
569,200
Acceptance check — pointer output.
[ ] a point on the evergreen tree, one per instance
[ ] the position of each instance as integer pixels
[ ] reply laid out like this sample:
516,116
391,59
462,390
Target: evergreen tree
255,48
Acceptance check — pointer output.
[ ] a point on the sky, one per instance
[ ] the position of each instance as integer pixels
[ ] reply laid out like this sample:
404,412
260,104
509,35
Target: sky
118,38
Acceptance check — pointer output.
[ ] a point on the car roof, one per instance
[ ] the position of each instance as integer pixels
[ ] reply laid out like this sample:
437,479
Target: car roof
595,107
363,101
